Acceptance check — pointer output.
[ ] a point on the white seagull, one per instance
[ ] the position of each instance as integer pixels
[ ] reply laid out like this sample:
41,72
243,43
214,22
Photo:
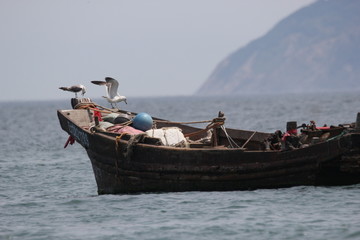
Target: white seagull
75,89
111,89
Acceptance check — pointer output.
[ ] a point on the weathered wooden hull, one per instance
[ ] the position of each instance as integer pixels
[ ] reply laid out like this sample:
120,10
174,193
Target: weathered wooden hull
122,168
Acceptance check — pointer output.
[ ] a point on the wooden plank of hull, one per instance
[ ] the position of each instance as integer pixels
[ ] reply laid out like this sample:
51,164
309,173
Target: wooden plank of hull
148,158
112,180
188,171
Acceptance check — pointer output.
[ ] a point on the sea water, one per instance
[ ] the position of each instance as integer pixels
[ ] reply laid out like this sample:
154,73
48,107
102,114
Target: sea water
48,192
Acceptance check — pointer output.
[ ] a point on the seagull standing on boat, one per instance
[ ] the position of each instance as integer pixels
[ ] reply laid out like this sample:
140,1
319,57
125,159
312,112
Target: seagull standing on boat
75,89
111,89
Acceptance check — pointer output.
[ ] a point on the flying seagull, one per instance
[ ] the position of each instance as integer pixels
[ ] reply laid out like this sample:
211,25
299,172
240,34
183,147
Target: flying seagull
111,89
75,89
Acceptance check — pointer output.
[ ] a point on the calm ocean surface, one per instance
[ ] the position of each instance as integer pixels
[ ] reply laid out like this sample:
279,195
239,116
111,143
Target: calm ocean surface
48,192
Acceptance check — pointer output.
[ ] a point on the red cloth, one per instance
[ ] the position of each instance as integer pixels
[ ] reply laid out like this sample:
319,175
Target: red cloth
323,128
289,133
97,114
70,140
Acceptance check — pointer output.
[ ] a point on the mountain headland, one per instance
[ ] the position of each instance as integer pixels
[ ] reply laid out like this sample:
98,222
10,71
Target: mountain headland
316,49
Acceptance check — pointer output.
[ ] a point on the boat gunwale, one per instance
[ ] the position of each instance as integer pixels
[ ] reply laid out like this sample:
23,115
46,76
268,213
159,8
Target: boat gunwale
112,137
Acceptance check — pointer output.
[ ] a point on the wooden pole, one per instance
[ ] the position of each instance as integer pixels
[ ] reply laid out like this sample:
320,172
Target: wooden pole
248,139
357,124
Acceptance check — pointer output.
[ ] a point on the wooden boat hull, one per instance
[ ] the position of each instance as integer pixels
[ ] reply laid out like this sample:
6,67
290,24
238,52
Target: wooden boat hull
120,167
212,171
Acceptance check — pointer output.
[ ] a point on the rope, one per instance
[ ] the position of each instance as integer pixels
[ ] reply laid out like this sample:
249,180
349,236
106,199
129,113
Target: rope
84,105
90,107
93,106
126,123
337,136
195,133
117,149
134,139
170,122
231,141
108,109
215,123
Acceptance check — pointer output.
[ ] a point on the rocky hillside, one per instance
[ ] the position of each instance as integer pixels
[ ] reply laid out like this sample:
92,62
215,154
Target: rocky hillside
315,49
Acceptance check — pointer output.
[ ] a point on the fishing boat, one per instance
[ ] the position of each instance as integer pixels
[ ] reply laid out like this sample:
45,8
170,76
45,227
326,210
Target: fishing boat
172,156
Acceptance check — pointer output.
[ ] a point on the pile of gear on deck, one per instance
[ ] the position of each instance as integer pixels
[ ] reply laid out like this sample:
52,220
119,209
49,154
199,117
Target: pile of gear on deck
142,124
309,134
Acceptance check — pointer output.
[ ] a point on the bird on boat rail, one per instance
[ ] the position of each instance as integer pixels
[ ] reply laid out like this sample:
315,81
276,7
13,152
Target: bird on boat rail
113,96
75,89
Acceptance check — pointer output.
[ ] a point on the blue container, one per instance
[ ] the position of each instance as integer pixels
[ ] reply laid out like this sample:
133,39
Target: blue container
142,121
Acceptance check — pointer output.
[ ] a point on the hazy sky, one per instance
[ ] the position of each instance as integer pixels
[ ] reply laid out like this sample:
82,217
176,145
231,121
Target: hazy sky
153,47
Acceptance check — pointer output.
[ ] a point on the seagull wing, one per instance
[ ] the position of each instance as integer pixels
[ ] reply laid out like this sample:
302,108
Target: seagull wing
102,83
112,87
64,88
75,88
99,82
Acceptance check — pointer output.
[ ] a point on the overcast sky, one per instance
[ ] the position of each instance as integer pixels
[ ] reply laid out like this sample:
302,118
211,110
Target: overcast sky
153,47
